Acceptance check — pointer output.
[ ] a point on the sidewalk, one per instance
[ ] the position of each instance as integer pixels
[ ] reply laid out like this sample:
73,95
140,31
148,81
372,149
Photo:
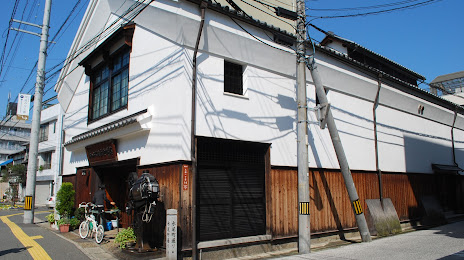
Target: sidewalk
443,242
434,243
88,246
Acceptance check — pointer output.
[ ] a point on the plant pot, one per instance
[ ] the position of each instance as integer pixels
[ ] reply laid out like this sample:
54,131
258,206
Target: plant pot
53,225
114,222
64,228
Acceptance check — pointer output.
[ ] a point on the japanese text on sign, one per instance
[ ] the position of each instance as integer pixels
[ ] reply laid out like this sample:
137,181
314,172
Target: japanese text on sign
185,177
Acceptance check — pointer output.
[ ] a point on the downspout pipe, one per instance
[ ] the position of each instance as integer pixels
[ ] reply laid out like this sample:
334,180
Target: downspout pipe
452,137
376,141
193,145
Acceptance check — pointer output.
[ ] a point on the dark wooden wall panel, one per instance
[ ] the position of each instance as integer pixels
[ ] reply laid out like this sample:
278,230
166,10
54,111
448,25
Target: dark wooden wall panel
85,185
69,178
169,180
330,204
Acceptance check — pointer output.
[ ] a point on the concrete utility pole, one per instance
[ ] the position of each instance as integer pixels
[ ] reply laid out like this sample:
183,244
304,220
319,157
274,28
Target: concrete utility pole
328,118
34,143
304,232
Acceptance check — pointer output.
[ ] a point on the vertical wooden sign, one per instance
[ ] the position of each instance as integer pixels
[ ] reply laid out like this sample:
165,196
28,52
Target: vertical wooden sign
185,177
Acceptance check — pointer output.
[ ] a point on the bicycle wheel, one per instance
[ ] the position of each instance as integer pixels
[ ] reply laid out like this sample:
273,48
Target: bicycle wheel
84,229
99,234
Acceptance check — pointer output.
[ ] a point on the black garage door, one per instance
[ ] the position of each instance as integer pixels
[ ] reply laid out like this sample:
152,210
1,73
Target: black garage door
231,201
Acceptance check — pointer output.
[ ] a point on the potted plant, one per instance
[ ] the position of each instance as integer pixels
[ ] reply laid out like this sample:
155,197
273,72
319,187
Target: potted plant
64,224
51,219
125,237
65,204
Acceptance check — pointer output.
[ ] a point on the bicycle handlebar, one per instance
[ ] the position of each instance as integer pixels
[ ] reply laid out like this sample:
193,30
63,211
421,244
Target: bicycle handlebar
86,205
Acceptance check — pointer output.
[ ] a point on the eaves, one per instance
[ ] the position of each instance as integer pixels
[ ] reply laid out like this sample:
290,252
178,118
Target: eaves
406,87
238,15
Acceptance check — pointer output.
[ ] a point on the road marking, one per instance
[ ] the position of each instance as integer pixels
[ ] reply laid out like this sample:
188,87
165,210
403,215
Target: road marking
36,237
34,249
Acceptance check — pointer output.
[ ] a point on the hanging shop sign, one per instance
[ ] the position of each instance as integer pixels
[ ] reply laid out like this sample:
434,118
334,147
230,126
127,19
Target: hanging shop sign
102,153
24,105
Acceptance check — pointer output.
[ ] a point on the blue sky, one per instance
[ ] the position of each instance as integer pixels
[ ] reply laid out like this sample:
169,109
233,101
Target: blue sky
427,39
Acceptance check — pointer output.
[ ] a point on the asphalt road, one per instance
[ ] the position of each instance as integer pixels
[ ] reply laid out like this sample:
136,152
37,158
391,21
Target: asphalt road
443,242
30,241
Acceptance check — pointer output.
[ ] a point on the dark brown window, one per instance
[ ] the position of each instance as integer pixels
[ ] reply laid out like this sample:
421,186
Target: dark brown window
109,80
233,78
110,86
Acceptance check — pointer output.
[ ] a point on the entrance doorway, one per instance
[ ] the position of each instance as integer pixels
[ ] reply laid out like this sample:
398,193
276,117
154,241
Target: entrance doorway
115,178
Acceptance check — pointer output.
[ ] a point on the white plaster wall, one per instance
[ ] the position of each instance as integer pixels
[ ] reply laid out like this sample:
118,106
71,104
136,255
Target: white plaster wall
160,75
265,113
50,115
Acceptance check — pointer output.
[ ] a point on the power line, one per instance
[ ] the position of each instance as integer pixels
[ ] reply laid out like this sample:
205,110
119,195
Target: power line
377,12
361,7
293,26
131,15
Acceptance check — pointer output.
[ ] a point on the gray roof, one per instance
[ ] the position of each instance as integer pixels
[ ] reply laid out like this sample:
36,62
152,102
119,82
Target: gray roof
349,42
344,57
447,77
106,128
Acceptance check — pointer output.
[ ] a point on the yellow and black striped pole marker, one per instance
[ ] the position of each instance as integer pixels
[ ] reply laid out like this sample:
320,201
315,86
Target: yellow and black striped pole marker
28,203
304,208
357,207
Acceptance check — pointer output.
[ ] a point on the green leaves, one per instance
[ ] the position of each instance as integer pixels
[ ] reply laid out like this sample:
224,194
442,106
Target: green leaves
50,218
65,199
124,236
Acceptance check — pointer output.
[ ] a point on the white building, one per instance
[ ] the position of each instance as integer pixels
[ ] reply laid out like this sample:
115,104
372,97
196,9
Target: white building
127,96
450,87
48,176
13,134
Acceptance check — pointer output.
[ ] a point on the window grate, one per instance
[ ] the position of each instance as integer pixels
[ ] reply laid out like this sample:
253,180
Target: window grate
233,78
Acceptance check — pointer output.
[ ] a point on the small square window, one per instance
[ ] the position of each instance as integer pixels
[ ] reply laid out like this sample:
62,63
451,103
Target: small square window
233,78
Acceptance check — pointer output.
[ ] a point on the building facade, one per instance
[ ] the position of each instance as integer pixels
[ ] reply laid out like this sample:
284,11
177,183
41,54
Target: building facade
48,176
130,106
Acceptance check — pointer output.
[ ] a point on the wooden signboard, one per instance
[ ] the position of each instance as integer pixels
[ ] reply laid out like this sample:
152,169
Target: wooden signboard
101,153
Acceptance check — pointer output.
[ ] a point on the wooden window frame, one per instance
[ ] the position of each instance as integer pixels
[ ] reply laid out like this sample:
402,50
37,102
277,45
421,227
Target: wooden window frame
124,33
112,73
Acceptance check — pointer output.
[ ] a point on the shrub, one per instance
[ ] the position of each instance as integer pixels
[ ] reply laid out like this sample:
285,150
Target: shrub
74,223
65,200
50,218
79,213
124,236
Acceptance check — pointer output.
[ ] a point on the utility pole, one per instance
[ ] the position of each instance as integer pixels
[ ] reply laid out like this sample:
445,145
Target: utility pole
327,118
304,231
34,143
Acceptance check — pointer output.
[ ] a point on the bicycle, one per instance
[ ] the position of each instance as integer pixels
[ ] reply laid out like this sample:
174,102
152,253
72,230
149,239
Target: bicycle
90,225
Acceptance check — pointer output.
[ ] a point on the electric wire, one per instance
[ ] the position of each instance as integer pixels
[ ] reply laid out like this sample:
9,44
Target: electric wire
376,12
107,31
361,7
275,17
16,46
10,23
53,39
